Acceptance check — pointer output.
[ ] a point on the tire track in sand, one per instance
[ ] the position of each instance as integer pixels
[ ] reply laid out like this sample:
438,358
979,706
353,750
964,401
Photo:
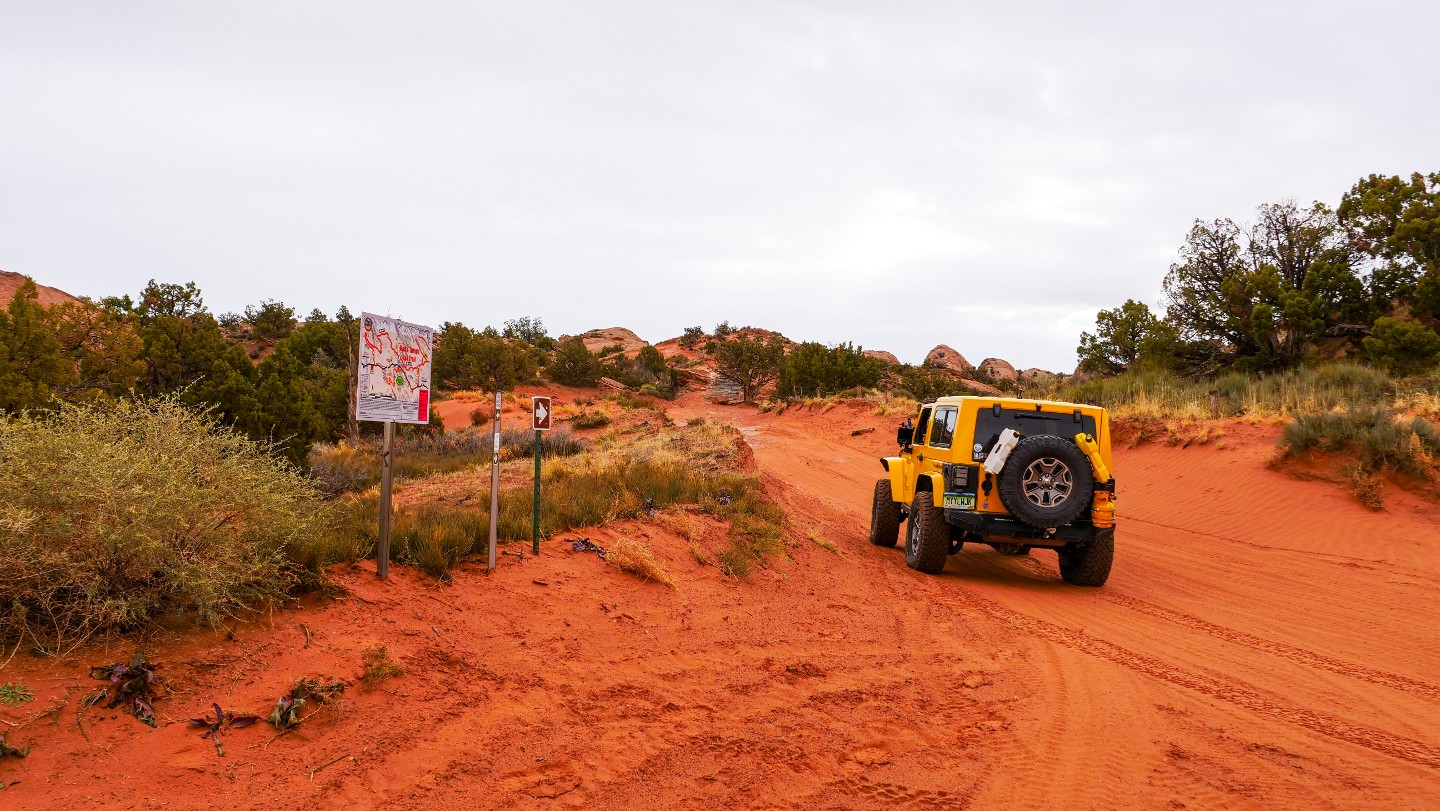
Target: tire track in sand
1367,564
1309,658
1395,746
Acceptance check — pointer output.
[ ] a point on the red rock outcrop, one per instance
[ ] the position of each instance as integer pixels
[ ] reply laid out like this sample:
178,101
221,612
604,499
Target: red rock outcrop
49,296
943,357
598,339
999,369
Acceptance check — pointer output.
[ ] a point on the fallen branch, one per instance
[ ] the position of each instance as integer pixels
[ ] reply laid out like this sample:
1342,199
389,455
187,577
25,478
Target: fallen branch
328,763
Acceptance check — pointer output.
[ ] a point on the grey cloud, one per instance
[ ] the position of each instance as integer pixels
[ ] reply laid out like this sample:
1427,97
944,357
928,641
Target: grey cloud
899,175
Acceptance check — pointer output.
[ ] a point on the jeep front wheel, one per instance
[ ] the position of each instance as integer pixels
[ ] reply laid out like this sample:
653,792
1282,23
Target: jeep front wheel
884,516
1047,481
927,540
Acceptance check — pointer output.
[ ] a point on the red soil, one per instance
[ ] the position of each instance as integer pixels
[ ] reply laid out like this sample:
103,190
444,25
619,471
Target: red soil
1262,643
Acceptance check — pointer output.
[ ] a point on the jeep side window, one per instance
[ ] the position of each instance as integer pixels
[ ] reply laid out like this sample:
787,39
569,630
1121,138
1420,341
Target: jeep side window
944,428
922,426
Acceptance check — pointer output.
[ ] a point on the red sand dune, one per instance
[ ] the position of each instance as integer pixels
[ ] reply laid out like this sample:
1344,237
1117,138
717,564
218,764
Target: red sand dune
1263,642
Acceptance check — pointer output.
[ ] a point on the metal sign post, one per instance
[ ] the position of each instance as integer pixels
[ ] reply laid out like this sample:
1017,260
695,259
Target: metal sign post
387,471
392,384
495,481
540,414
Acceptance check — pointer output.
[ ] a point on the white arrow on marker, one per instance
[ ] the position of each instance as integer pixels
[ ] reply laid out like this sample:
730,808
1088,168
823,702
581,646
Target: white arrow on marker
541,413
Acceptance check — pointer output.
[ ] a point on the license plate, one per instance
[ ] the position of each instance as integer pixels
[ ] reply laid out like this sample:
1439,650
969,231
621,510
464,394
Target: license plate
959,501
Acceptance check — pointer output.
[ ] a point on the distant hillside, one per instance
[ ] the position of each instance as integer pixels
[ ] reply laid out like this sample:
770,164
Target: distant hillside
10,282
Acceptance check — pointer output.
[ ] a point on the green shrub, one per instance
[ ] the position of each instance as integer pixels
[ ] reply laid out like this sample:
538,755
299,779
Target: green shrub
117,515
590,419
1383,439
1402,347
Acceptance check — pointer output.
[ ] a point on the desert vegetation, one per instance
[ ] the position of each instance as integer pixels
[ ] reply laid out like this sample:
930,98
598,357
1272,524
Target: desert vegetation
117,515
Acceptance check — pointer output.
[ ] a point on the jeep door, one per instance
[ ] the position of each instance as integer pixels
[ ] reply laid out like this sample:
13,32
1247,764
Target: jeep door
932,447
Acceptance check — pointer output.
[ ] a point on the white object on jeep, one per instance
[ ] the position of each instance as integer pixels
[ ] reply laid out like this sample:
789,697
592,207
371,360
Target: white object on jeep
995,460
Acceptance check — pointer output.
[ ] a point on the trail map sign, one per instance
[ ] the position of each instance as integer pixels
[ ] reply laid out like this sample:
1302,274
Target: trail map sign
394,380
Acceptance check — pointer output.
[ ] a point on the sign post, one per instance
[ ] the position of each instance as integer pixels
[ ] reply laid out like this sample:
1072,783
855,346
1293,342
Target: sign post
387,473
540,414
495,481
392,384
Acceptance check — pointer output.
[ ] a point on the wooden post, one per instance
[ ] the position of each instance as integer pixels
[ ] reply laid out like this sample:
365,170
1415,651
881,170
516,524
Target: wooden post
387,470
1214,404
495,482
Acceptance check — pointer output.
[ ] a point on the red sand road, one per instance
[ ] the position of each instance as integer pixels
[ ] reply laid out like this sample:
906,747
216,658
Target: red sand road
1263,643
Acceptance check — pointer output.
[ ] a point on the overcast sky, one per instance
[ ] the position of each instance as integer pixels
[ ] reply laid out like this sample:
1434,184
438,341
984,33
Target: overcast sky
896,174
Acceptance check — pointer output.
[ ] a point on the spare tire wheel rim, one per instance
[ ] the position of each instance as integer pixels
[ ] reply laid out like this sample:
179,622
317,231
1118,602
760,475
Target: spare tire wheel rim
1047,482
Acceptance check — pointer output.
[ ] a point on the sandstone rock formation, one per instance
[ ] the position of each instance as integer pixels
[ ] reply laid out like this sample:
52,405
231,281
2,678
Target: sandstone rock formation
943,357
598,339
999,369
882,355
49,296
1038,376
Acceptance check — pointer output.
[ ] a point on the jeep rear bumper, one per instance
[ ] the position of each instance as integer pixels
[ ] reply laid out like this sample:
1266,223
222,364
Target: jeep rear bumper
988,526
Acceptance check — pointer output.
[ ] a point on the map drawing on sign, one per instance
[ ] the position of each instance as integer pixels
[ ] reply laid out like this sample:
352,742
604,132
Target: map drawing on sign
394,375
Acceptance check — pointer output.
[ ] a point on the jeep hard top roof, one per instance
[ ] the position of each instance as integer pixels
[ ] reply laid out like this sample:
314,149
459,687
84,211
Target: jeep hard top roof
1011,402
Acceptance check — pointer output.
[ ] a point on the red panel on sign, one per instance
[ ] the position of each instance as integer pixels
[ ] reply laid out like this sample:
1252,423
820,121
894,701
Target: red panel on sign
424,402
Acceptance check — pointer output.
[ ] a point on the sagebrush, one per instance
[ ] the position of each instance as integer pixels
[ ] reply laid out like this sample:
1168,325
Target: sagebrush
118,514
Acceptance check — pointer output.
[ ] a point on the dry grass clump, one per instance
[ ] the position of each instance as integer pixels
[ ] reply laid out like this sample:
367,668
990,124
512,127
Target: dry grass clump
1383,440
637,559
345,468
589,419
698,464
116,515
378,667
1366,485
823,543
1160,396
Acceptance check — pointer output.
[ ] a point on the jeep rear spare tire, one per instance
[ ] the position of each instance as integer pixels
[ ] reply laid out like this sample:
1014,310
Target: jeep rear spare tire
884,516
1047,481
927,539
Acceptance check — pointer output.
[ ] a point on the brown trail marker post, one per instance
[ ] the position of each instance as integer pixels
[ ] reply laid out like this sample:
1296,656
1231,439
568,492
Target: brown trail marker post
392,384
540,415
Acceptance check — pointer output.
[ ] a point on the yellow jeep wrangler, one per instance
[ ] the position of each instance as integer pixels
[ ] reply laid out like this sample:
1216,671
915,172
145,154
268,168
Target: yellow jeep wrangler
1014,474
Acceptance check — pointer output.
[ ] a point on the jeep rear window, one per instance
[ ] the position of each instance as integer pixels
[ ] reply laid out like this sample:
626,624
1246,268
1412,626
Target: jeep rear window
920,426
944,427
1026,422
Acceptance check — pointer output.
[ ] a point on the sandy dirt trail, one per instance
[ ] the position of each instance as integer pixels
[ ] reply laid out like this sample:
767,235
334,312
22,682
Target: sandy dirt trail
1262,643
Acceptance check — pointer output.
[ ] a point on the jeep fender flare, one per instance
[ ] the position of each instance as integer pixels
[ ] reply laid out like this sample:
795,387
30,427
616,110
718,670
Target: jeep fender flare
904,484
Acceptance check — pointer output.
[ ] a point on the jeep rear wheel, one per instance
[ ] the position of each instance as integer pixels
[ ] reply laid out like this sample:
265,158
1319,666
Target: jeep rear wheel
1047,481
884,516
1088,565
927,539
